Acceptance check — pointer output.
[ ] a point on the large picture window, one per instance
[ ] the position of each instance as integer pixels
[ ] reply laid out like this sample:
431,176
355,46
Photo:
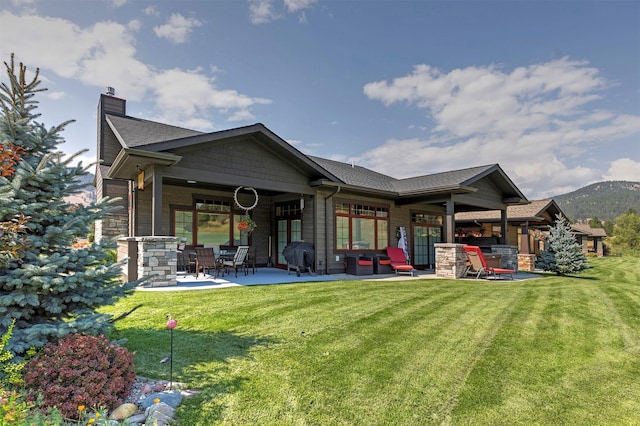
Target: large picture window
361,226
211,222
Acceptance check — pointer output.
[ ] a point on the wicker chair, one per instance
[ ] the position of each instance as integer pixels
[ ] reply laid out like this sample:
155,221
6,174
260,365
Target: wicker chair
361,265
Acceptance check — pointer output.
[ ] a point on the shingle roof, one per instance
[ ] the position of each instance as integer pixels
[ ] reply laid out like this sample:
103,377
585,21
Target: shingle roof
356,175
136,132
441,180
360,176
588,230
530,211
153,136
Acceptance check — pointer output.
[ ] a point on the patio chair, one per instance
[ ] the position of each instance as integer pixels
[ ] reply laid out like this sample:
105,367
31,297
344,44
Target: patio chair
206,261
239,260
399,261
360,265
382,264
479,264
185,262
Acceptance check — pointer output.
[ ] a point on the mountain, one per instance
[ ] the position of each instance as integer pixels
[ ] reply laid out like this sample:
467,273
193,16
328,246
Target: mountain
604,200
86,195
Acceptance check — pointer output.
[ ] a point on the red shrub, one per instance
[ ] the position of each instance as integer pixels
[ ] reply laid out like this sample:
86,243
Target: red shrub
81,370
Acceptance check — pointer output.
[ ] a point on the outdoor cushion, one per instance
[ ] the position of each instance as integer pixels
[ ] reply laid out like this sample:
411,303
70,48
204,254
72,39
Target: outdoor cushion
385,261
360,265
399,260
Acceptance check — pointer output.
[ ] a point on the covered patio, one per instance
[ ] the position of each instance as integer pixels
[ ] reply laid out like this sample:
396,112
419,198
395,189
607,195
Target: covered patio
273,276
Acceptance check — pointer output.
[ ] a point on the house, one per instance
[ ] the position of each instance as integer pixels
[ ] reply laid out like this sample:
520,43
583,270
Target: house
526,225
589,238
178,182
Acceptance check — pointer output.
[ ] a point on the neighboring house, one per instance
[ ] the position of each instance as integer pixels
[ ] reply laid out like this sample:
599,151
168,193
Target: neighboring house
200,186
527,225
589,238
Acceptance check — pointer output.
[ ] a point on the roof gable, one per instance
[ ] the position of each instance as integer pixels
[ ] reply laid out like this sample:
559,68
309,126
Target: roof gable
537,210
137,133
148,141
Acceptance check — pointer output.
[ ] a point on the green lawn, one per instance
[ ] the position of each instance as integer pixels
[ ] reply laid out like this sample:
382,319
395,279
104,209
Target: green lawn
549,351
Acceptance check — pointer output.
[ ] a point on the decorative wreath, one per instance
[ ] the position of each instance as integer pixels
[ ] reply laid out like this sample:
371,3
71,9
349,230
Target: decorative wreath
235,198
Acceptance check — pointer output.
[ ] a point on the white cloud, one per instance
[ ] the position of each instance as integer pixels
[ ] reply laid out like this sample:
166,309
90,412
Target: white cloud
55,95
177,28
532,121
262,11
296,5
134,25
105,55
624,169
151,11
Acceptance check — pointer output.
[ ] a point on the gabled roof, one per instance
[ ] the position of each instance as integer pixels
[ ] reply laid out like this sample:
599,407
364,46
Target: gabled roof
587,230
136,132
146,142
460,181
532,212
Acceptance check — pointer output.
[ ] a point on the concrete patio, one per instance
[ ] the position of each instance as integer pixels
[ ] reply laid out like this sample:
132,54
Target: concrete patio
268,276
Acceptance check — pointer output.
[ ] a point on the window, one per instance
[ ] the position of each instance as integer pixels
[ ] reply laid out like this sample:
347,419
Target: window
211,221
361,226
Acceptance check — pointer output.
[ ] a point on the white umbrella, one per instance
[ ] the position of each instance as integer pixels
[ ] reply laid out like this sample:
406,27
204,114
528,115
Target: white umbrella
402,241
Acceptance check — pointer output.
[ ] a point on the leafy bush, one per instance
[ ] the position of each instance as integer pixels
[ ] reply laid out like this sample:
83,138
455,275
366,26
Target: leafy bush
80,370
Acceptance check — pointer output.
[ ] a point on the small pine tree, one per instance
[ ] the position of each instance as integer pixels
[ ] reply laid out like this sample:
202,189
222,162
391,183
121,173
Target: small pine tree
565,255
50,289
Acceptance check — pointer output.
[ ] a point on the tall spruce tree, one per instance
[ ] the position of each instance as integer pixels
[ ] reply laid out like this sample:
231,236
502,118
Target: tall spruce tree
50,288
565,255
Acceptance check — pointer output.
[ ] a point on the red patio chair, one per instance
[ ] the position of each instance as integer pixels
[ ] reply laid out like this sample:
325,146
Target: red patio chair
399,261
479,264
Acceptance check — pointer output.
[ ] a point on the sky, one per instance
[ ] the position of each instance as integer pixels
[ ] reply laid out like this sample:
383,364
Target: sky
549,90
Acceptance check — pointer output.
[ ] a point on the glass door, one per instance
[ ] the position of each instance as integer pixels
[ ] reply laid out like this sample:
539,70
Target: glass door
288,228
424,239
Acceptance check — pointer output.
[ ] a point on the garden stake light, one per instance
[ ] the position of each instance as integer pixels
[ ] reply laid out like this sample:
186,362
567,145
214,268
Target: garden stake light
171,324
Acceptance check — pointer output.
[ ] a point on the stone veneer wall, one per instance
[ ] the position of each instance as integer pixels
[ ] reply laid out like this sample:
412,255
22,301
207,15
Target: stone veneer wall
157,259
526,262
509,256
451,260
111,227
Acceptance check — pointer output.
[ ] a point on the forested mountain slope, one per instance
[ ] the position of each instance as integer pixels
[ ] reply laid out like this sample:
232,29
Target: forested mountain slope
604,200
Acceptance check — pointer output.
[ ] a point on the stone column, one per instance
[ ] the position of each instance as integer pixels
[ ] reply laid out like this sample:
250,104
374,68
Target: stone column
509,256
155,258
526,262
451,261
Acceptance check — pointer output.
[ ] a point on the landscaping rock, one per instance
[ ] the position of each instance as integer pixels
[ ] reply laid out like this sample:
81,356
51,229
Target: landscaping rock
171,398
158,418
138,419
160,407
123,411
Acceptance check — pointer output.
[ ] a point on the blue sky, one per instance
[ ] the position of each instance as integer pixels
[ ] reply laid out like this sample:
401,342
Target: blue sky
548,90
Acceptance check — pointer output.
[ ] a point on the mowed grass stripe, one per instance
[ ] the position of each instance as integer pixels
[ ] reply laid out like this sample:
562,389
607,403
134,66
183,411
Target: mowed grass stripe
556,342
554,350
409,341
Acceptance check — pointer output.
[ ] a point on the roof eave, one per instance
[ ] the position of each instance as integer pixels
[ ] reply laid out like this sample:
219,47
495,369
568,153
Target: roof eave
447,189
130,162
355,188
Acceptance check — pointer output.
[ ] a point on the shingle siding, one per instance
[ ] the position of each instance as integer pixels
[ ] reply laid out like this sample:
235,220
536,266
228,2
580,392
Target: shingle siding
242,158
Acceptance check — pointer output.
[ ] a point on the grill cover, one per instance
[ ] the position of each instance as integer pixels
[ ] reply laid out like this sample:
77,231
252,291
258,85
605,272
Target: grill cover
300,255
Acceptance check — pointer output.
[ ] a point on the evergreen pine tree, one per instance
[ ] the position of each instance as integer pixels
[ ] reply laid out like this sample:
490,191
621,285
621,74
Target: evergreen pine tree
50,289
565,255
